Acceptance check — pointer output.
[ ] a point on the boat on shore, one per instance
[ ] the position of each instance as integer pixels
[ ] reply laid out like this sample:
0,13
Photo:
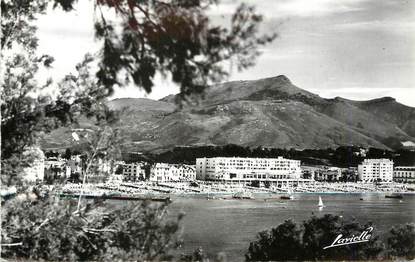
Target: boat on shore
287,197
396,196
243,195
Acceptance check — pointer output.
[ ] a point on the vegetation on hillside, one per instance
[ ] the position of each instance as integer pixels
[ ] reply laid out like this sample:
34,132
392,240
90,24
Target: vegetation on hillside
346,156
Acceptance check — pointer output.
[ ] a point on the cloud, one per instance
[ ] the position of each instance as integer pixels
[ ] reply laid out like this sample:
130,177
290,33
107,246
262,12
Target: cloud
351,48
306,8
402,26
290,8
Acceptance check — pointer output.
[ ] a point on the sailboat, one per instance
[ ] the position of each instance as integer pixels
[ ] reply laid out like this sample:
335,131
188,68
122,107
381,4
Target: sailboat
320,202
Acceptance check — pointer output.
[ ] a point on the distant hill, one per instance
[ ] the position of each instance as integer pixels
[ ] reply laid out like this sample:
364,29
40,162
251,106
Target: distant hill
269,112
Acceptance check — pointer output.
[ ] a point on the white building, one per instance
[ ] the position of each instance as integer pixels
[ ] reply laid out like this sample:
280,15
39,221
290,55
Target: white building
54,162
372,170
404,174
162,172
36,170
74,165
247,169
56,167
133,172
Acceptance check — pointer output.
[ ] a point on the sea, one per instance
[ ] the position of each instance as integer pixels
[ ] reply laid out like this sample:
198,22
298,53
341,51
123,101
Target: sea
226,227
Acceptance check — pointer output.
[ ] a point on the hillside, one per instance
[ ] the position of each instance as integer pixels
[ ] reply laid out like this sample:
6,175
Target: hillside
269,112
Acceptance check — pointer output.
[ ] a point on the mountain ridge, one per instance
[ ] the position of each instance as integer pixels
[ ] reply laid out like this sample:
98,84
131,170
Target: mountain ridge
270,112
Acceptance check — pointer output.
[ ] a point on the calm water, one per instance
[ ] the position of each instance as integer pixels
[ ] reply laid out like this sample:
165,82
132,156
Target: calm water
229,225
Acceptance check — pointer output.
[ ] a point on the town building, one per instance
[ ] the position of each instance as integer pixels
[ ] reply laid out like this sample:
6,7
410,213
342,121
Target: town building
328,174
376,170
404,174
54,162
247,169
36,170
307,172
56,168
133,172
350,174
99,170
74,166
163,172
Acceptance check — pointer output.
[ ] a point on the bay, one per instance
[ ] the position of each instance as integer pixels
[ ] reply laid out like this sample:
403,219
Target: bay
230,225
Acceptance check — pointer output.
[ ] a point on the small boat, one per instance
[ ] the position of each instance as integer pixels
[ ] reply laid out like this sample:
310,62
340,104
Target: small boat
211,197
287,197
320,202
396,196
243,195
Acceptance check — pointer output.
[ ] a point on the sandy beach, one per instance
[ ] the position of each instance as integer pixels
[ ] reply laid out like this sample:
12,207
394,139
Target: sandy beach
212,188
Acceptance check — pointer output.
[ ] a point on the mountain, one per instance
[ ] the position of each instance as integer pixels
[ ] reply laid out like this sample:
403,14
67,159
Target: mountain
269,112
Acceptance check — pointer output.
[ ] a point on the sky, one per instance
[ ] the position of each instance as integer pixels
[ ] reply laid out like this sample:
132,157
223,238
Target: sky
356,49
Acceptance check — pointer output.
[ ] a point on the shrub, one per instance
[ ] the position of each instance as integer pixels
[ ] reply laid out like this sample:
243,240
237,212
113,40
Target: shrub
50,230
401,242
289,241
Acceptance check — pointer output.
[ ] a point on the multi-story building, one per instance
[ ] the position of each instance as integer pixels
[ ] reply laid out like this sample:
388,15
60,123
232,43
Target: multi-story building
247,169
36,170
74,166
404,174
133,172
373,170
185,172
100,170
54,162
162,172
55,168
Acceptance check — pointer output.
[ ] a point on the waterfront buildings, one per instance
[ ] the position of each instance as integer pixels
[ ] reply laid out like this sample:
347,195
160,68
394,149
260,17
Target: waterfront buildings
56,167
373,170
133,172
404,174
350,174
74,166
247,169
329,174
55,162
36,170
163,172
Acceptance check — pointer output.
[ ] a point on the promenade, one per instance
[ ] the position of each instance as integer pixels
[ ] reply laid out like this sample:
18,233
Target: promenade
203,187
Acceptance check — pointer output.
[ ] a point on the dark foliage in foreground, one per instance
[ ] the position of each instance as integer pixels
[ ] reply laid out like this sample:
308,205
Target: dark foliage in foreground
51,230
176,39
402,242
290,241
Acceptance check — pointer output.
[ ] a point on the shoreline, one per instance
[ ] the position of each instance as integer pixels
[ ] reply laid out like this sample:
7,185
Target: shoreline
216,189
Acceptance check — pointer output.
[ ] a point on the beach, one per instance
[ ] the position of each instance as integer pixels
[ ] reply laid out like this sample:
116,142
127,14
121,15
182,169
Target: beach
217,188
